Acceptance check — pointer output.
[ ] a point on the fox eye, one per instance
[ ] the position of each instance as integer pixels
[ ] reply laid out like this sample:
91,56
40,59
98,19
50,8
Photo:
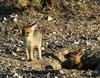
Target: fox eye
27,32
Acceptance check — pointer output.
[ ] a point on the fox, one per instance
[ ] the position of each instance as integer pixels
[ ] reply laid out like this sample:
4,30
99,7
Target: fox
33,38
75,58
77,55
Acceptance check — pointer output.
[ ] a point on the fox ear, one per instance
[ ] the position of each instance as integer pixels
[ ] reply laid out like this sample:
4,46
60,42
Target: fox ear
34,27
81,51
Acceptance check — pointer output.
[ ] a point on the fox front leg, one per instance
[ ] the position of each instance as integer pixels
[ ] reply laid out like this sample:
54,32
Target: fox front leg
27,54
31,52
39,49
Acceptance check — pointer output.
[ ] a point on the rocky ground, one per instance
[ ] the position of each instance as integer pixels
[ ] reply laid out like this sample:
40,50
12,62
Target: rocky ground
63,33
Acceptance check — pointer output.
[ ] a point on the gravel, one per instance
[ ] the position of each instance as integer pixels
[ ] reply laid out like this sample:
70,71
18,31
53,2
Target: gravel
62,34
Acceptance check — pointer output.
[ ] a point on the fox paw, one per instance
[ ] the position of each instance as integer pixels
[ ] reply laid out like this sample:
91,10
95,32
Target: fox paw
29,59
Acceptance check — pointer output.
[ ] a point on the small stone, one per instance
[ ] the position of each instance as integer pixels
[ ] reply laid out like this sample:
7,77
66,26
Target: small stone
55,65
77,42
7,76
22,58
88,42
61,71
42,48
54,32
14,54
66,52
15,19
89,73
50,18
18,49
11,16
5,19
64,76
20,42
98,38
79,3
9,64
23,3
15,74
74,74
60,56
55,77
16,15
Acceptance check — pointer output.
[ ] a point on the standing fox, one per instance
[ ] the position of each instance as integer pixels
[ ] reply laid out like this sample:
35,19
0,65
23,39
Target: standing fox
33,39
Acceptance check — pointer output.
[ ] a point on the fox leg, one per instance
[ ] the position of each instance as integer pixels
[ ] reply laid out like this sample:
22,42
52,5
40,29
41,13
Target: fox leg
31,52
39,49
27,54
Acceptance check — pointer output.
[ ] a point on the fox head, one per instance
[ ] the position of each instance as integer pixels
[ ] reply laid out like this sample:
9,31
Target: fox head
76,56
79,53
29,30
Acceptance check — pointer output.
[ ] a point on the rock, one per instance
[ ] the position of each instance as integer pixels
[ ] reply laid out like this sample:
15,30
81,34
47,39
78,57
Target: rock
66,51
60,56
16,75
61,71
23,3
55,77
54,33
52,63
19,49
14,54
87,73
0,50
98,38
42,48
4,20
76,42
23,59
50,18
15,19
20,43
88,43
55,65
